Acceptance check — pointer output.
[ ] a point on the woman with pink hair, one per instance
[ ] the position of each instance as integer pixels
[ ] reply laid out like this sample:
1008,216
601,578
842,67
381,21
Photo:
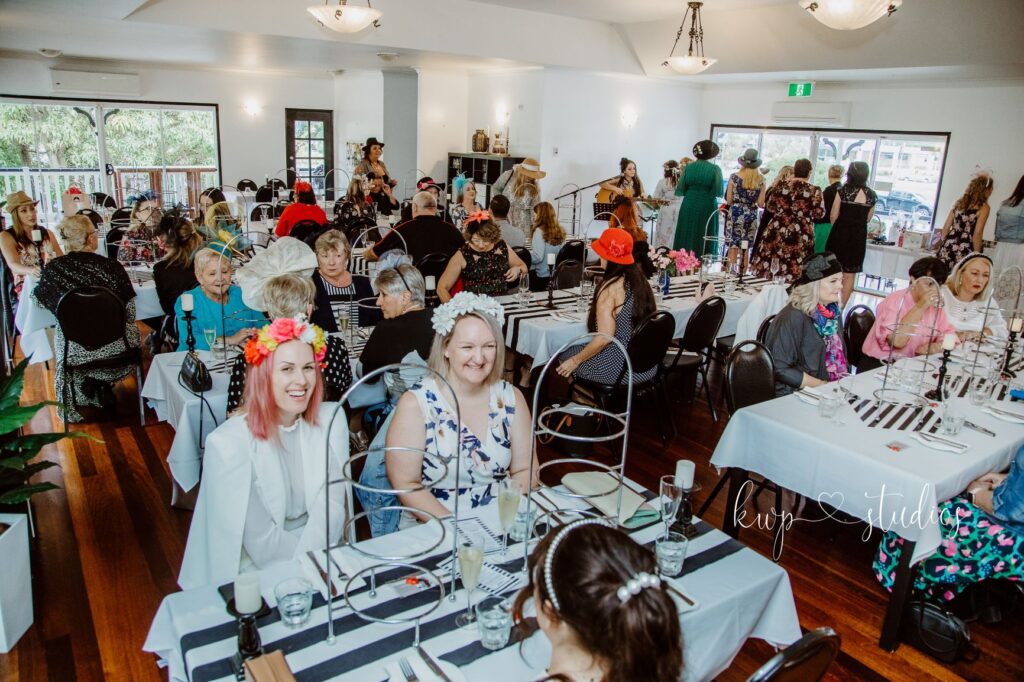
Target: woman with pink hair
263,493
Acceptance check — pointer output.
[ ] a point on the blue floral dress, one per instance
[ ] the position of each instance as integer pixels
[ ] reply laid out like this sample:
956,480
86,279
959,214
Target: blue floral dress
741,221
483,461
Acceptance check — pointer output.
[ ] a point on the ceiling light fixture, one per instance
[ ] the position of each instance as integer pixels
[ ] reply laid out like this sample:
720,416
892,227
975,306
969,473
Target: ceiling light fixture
694,62
849,15
345,18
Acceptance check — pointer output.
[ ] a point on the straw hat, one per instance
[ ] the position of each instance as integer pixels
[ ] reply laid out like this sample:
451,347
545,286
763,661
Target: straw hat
530,168
16,200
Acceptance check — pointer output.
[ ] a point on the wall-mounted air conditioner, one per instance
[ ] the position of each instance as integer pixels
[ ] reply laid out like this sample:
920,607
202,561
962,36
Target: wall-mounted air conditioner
94,82
812,114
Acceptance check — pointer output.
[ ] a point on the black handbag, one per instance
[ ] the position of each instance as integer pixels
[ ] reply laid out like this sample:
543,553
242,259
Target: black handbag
938,633
194,374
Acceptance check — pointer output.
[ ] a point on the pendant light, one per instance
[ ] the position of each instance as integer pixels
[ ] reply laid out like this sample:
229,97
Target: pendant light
849,15
694,62
345,18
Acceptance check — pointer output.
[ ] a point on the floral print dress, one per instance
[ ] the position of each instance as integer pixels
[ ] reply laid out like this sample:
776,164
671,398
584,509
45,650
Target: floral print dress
959,241
789,235
484,459
485,271
741,220
459,213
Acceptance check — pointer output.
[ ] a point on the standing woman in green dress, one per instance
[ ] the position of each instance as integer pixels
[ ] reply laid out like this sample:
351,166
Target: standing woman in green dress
699,185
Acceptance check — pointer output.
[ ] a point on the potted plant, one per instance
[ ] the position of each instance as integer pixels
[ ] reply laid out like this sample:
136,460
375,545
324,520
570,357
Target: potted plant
17,450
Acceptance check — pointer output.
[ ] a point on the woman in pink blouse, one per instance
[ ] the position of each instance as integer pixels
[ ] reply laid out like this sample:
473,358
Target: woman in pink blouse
919,309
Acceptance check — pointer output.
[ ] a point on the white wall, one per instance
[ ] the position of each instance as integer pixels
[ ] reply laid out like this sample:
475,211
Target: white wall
983,118
400,102
358,112
441,127
521,94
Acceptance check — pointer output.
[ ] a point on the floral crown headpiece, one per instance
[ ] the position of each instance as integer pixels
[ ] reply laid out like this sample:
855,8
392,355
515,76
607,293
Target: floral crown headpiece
464,303
283,329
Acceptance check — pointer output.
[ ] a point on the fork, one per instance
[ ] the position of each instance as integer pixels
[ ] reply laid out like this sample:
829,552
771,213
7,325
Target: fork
410,676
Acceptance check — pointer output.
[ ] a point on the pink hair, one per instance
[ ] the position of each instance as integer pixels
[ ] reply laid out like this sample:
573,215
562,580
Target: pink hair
258,400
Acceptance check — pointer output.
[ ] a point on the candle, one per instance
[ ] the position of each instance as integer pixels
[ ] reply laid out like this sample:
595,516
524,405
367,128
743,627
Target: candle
551,258
247,593
743,244
431,282
684,473
37,235
187,304
949,342
1016,324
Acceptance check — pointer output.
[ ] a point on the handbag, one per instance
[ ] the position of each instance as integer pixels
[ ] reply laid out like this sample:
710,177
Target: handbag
938,633
576,420
194,374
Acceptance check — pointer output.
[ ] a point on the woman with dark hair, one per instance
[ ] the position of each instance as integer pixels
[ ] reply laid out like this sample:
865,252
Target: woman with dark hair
139,242
789,235
623,299
700,185
668,213
23,254
904,320
304,208
372,163
601,603
485,262
965,224
1010,230
852,210
209,197
174,274
356,203
627,184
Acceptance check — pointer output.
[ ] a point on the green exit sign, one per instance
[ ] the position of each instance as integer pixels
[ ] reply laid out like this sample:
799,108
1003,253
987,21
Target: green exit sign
801,89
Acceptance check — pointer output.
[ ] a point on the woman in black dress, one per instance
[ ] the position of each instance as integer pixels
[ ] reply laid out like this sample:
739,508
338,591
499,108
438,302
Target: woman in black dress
852,210
485,263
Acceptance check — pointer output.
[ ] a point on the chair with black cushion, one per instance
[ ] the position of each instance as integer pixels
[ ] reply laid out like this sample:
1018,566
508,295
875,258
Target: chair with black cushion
265,194
123,214
645,349
524,255
696,348
725,344
574,249
257,211
279,208
357,226
247,185
433,265
94,317
762,330
806,660
859,321
96,218
567,274
304,228
102,200
7,326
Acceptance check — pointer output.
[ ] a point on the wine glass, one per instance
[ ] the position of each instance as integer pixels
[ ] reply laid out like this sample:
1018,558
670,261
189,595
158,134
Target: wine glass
471,561
210,336
775,267
344,317
671,490
510,492
524,288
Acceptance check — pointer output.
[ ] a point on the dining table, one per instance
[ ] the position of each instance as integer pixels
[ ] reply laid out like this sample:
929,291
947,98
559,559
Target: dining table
883,461
726,593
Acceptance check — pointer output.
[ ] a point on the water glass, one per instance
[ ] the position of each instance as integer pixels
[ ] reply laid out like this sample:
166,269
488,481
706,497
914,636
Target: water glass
670,550
980,391
294,601
829,404
952,418
522,524
494,618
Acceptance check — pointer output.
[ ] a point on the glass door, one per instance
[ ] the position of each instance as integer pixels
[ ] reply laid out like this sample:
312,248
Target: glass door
309,144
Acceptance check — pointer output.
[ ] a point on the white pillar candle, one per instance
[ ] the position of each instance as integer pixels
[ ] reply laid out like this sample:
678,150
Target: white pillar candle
431,282
685,470
37,235
743,244
187,304
551,258
1016,324
247,593
949,342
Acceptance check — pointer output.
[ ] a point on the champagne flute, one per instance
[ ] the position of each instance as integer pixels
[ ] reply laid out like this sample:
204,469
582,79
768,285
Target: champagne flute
510,492
344,317
671,497
471,561
524,288
775,267
210,335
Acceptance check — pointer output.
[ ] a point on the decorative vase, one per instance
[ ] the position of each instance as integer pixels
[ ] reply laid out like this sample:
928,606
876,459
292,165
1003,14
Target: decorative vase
480,141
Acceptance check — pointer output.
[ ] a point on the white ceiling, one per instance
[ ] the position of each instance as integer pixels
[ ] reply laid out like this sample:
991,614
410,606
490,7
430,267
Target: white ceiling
632,11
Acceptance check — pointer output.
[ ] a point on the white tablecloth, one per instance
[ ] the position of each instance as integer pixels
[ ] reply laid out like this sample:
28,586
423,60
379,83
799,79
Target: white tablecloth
740,595
33,321
890,262
850,467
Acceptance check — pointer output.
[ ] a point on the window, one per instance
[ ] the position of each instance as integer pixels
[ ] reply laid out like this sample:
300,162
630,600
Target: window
906,168
117,148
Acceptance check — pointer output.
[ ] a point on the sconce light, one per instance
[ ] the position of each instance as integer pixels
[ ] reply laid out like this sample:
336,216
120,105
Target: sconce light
628,117
252,107
502,114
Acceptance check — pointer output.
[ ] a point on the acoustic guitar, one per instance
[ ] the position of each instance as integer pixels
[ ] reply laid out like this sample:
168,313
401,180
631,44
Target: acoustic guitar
606,196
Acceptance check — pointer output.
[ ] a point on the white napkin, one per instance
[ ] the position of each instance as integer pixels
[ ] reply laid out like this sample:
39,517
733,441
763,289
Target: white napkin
804,398
418,667
1005,415
587,482
959,448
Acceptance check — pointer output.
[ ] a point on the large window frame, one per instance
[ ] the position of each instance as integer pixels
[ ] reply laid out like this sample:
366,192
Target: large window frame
879,137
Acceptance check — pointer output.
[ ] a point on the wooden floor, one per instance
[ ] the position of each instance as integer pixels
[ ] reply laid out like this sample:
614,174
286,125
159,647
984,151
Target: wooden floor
109,546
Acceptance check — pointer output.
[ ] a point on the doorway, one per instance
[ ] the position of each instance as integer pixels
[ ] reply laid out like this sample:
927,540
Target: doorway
309,146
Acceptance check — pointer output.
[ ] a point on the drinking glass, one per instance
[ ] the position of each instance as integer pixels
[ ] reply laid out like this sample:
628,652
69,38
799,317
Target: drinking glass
294,601
980,390
510,492
344,318
775,267
829,403
494,617
210,336
672,491
670,551
471,561
952,418
524,288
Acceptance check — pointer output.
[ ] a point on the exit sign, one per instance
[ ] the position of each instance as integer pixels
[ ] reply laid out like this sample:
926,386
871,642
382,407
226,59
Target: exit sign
801,89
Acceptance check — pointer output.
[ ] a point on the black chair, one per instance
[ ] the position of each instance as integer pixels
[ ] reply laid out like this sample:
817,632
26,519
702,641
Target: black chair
7,326
247,185
257,211
265,194
357,226
304,228
524,255
696,348
646,349
856,328
574,249
567,274
433,264
123,214
762,330
96,218
94,317
806,660
102,200
662,250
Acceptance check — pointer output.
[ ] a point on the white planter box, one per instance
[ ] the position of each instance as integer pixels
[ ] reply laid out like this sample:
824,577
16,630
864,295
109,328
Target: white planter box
15,581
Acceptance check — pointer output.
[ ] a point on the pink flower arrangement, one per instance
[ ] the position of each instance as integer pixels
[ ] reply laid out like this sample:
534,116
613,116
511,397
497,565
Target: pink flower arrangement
676,262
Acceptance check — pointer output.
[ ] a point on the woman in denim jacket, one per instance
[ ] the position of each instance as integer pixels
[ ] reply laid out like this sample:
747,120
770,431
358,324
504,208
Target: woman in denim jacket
1010,231
982,538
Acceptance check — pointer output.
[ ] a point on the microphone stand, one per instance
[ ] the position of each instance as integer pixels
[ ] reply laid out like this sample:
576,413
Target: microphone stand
575,195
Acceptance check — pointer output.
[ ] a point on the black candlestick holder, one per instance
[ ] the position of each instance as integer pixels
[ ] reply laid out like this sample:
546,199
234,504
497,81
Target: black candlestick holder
551,292
190,339
938,393
1010,343
683,523
249,644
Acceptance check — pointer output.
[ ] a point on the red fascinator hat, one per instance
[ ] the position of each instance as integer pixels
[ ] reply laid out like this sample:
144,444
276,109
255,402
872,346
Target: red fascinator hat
615,245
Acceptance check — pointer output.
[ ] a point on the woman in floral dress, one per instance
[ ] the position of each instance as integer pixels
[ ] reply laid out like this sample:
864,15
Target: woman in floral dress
965,224
982,539
485,264
744,194
789,235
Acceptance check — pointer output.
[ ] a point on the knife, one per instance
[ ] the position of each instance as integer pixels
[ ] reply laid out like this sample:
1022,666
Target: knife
980,429
323,574
432,664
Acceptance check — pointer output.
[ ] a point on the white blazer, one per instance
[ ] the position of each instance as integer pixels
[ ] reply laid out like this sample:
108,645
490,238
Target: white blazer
234,461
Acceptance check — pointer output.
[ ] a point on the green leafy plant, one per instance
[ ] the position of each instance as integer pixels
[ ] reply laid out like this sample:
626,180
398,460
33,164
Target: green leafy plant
16,449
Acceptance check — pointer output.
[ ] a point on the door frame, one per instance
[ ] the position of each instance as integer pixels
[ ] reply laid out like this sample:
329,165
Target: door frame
290,116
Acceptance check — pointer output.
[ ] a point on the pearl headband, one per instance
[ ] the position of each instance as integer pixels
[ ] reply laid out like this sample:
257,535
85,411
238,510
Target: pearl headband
549,559
636,585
